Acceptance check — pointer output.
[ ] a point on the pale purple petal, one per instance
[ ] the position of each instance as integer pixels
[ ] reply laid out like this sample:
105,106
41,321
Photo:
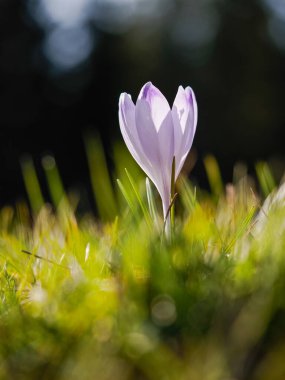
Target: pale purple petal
155,111
158,104
178,140
181,105
166,142
146,131
129,132
190,127
166,150
154,134
157,146
184,115
193,109
180,112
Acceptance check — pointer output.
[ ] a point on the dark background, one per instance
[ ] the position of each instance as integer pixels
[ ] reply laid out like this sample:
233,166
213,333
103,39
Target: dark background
64,63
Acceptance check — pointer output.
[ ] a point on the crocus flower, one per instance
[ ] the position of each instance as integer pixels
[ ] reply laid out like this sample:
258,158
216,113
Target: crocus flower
155,134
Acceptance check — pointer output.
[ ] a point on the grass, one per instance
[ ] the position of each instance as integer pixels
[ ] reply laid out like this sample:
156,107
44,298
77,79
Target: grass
111,298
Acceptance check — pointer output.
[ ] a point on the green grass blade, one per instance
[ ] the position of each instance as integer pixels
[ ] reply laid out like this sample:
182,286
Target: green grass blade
151,202
214,175
100,179
244,225
139,199
188,194
127,198
32,184
265,178
53,180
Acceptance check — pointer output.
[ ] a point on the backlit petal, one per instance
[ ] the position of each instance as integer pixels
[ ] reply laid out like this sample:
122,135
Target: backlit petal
184,115
154,134
129,132
158,104
147,132
152,145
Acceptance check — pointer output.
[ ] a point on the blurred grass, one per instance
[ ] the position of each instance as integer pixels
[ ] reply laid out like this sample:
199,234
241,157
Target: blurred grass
111,299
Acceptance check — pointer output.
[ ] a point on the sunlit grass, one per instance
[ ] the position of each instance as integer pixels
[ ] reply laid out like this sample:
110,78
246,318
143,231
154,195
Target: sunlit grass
111,298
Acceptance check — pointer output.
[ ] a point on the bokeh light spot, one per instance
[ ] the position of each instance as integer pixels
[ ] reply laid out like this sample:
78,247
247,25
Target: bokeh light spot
68,47
277,7
163,311
276,30
65,13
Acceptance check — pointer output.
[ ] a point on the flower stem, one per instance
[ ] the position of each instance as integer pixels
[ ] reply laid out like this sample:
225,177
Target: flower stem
172,195
169,219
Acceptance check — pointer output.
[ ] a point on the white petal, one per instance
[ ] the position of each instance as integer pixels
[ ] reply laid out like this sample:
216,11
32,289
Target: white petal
193,108
166,149
166,141
158,155
129,131
181,105
158,104
146,132
184,115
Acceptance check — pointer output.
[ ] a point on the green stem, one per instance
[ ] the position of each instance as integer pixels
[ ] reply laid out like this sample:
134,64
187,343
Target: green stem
172,194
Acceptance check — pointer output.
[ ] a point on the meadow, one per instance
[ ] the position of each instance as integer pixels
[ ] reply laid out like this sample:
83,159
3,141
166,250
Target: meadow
111,297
